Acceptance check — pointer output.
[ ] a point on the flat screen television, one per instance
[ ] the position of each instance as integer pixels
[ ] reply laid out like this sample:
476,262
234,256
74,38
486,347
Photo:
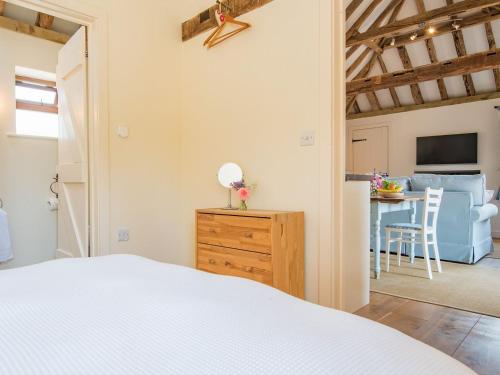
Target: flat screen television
447,149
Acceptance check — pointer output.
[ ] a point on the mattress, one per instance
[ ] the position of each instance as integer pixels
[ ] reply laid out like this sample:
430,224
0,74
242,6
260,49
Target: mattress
124,314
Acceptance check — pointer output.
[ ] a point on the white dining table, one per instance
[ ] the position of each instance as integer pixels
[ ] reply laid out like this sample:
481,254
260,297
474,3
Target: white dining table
381,205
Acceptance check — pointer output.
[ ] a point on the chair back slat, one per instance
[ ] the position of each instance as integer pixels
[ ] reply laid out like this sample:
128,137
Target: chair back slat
432,203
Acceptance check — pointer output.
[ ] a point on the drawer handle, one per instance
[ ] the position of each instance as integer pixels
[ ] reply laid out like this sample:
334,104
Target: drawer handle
211,261
249,269
227,264
249,235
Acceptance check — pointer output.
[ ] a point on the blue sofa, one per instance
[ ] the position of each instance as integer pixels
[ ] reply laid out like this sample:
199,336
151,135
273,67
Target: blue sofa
464,225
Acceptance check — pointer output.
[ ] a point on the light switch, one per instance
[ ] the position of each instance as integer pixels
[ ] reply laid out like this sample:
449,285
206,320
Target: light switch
123,235
122,131
307,138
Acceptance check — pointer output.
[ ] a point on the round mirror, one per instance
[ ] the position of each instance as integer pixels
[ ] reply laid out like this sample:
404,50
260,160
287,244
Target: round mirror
229,173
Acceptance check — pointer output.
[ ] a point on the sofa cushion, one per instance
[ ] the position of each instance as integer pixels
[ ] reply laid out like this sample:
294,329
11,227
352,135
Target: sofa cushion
475,184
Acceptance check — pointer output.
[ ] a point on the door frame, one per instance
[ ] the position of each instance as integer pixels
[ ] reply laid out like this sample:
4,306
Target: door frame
332,152
94,18
351,129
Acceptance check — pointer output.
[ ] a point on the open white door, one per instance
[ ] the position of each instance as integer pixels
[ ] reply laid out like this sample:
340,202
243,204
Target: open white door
73,217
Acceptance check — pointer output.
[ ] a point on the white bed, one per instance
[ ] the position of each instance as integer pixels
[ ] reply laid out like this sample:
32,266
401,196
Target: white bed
128,315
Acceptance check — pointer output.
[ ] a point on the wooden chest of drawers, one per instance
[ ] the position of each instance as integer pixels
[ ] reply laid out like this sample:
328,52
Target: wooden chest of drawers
265,246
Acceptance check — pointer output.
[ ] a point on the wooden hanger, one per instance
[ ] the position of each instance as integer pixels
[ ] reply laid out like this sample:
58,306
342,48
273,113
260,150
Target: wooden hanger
222,20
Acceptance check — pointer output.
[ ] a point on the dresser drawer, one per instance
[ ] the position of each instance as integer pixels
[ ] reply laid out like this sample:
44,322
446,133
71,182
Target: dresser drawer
237,232
233,262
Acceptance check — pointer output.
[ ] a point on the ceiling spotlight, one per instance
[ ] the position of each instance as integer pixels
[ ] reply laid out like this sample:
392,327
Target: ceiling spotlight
393,42
431,29
413,36
455,25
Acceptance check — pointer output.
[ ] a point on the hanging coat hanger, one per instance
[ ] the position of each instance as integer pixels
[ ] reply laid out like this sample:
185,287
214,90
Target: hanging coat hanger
223,20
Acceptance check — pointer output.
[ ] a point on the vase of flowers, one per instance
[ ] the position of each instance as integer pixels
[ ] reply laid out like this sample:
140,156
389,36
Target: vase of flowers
244,193
376,183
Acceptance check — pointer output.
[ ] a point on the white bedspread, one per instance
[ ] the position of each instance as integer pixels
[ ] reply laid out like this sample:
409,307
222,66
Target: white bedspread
129,315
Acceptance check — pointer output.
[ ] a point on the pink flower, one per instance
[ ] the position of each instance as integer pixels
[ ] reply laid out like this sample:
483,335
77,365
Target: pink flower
244,194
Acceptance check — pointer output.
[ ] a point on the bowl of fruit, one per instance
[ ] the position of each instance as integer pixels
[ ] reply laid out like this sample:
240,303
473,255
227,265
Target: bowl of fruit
391,189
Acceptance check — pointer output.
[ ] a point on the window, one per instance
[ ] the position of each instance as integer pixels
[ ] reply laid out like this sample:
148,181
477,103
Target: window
36,107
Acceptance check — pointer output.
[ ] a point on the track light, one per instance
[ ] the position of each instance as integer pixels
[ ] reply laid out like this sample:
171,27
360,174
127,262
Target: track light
413,36
393,42
431,29
455,25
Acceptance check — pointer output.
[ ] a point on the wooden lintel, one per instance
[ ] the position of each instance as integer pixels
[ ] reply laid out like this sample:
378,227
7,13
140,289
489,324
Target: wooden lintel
206,20
44,21
459,66
36,31
414,107
435,15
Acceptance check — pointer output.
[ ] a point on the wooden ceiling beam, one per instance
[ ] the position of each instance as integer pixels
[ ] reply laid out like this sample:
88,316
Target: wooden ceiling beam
362,56
381,43
205,20
36,31
415,89
392,90
458,39
435,104
44,21
374,103
351,8
413,22
492,45
444,28
431,51
462,65
361,19
389,8
351,100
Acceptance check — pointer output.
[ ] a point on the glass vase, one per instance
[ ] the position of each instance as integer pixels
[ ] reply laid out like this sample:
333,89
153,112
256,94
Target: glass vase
243,206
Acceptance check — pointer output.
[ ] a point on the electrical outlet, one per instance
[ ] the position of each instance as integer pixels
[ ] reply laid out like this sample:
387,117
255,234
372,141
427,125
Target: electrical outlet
307,138
123,235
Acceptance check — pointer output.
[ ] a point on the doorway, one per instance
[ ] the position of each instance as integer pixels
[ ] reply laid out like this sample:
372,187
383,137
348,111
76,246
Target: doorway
368,149
94,18
43,163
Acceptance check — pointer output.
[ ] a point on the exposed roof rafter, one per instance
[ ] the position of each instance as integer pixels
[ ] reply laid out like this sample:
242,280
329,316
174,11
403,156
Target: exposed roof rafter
413,22
459,66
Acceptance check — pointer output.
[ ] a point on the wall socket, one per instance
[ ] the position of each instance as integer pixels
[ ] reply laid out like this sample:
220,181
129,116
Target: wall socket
123,235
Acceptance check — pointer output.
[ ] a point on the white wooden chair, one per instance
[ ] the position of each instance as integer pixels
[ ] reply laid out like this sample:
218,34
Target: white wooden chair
418,233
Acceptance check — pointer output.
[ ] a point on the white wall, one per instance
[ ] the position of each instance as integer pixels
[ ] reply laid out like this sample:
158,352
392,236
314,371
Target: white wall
247,101
26,165
404,128
144,78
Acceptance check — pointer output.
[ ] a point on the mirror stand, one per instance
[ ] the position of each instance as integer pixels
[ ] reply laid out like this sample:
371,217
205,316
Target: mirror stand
229,202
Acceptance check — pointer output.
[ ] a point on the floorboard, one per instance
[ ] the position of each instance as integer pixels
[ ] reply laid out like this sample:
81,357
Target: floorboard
471,338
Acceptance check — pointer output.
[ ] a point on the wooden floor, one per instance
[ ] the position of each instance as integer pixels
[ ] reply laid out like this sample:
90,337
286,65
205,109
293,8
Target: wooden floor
471,338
